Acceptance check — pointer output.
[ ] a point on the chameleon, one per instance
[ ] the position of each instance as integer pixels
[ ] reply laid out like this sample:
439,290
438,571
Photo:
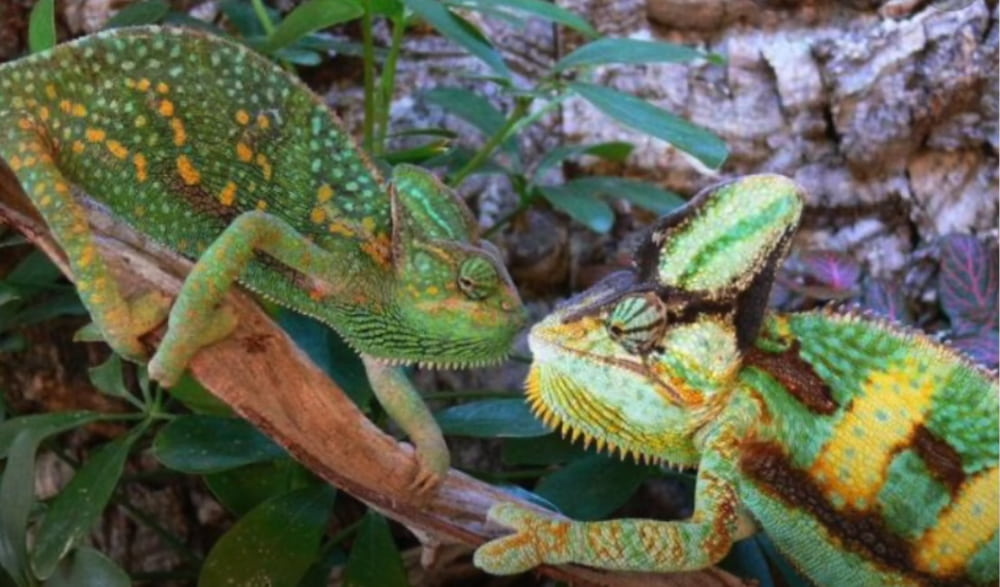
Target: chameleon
866,452
218,154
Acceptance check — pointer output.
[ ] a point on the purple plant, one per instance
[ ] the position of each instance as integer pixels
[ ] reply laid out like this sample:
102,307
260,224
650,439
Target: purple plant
967,286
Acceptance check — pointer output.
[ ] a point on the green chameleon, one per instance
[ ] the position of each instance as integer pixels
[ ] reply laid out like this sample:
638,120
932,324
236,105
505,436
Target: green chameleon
212,150
867,453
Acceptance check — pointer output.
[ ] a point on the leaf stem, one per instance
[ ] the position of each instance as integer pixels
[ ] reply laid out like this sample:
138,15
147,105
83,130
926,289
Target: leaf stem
368,42
388,80
265,21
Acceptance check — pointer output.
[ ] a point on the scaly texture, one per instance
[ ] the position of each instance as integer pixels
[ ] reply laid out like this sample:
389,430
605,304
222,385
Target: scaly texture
867,453
219,154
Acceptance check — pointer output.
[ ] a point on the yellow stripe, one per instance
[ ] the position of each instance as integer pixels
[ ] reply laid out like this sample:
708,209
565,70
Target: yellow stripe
963,528
882,418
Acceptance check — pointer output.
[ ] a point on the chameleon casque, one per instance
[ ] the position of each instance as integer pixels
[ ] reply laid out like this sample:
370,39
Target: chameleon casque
867,453
212,150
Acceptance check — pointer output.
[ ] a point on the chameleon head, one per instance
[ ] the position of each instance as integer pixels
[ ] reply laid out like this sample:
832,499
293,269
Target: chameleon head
453,302
641,361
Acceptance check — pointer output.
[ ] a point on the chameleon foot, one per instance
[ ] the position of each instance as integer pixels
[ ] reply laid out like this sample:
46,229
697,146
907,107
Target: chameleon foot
432,468
122,330
522,550
185,336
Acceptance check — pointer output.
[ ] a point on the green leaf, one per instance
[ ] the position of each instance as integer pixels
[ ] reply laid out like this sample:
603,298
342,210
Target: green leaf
541,9
310,16
419,154
459,31
654,121
612,151
583,207
244,488
594,486
272,545
469,106
8,293
491,418
88,568
604,51
374,558
545,450
640,193
79,505
208,444
44,425
196,398
42,26
17,495
107,377
141,13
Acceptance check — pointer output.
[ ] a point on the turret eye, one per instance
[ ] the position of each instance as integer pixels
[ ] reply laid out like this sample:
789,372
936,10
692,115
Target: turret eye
477,278
637,323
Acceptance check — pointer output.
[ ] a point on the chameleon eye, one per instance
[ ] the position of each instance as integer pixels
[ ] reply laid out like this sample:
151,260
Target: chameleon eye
637,323
477,278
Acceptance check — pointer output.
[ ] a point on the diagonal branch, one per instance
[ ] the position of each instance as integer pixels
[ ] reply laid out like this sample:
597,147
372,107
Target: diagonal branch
266,379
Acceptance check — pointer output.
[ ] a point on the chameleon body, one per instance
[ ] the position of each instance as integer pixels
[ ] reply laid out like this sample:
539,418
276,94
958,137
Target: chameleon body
867,453
222,156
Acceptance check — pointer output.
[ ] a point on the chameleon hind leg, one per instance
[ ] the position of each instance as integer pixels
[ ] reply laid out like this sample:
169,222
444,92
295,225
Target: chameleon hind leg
28,152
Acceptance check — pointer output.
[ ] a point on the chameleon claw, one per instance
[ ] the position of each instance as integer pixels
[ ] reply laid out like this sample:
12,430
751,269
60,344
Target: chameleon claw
515,553
431,472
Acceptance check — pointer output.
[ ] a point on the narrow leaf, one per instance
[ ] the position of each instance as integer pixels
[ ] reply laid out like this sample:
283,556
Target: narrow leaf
43,425
374,557
583,207
17,494
594,486
207,444
42,26
79,505
272,545
310,16
612,151
631,51
541,9
457,30
141,13
968,283
469,106
87,567
490,419
645,117
643,194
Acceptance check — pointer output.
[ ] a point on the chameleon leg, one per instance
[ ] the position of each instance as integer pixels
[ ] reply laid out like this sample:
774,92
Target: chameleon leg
120,322
405,406
196,319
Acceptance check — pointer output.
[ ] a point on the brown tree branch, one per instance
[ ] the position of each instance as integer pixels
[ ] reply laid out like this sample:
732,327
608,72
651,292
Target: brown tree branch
266,379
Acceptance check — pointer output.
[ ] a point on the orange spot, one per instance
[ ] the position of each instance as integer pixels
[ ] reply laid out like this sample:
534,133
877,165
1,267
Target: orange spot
143,85
79,110
15,163
261,205
62,187
117,149
66,106
25,124
379,249
50,91
166,107
341,228
30,161
87,256
263,121
78,147
186,169
141,166
162,88
180,135
324,193
228,194
318,215
242,116
43,113
244,152
95,135
265,165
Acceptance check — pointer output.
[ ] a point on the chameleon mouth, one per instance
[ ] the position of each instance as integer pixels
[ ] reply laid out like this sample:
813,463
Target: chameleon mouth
554,399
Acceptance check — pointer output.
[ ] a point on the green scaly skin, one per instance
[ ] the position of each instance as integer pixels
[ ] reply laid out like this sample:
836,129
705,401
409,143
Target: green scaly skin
223,157
868,454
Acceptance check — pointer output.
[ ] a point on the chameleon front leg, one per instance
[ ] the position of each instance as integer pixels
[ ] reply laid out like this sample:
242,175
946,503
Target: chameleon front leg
405,406
120,321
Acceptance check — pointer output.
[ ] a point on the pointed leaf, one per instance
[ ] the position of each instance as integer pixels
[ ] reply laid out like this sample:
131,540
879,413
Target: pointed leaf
581,206
107,377
612,151
274,544
44,425
652,120
42,26
541,9
17,495
311,15
87,567
374,557
642,194
469,106
459,31
207,444
604,51
79,505
140,13
490,419
968,283
832,269
594,486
